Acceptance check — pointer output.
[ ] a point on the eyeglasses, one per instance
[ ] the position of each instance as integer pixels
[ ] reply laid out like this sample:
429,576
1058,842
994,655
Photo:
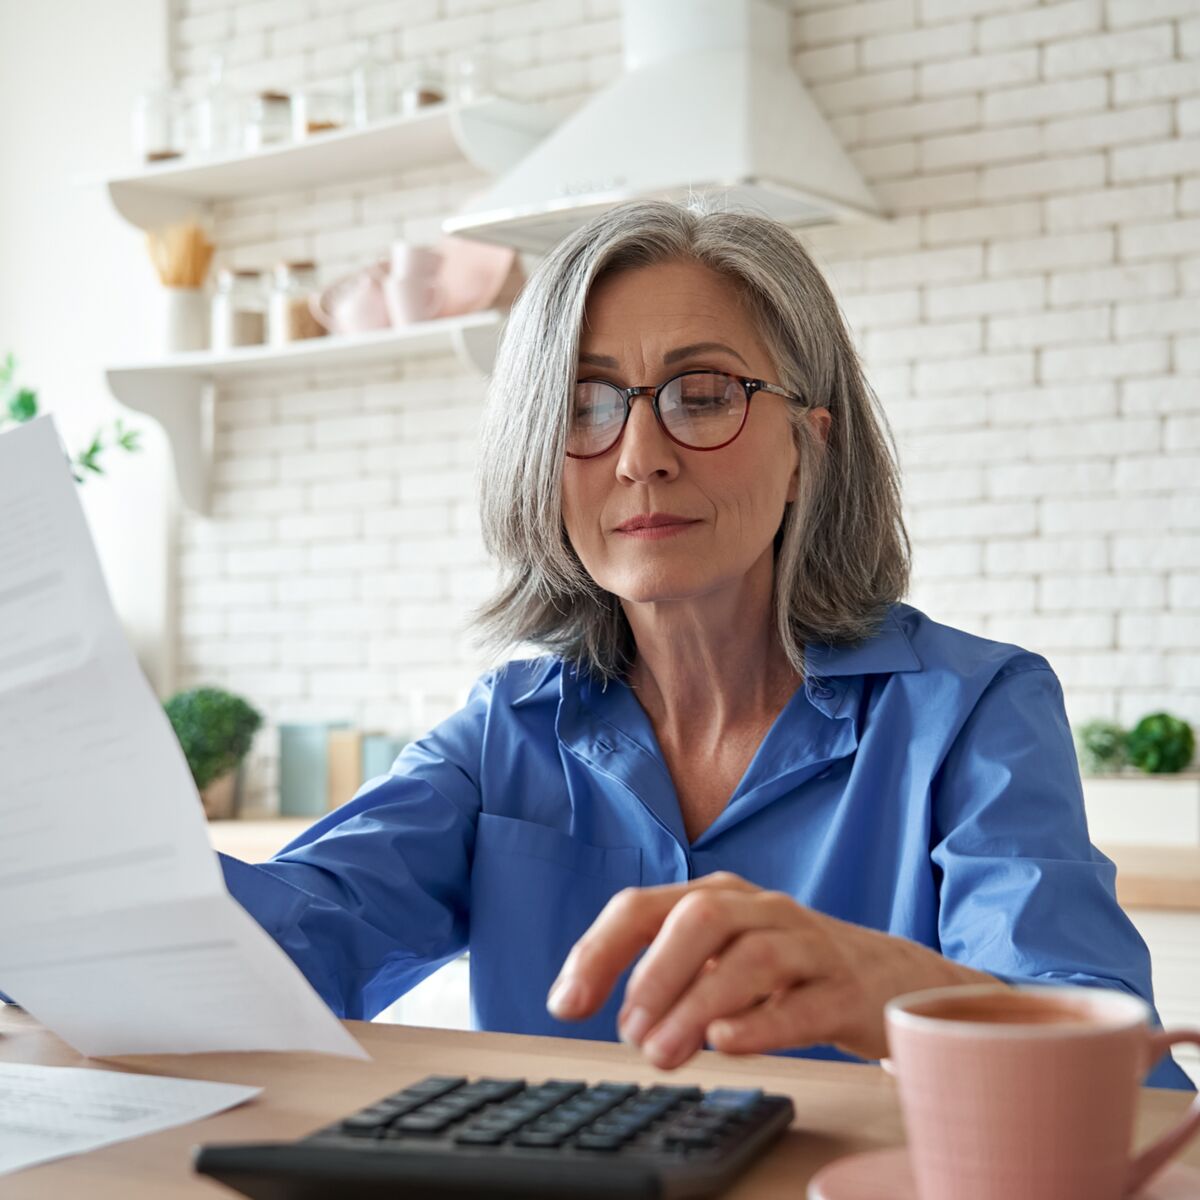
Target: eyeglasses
699,410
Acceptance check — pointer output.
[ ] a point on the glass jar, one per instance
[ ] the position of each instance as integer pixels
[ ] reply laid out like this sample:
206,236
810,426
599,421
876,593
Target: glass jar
372,96
239,306
316,111
268,120
421,84
289,318
469,75
217,117
158,121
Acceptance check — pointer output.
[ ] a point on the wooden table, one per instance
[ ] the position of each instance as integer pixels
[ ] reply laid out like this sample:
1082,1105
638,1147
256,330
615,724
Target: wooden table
840,1107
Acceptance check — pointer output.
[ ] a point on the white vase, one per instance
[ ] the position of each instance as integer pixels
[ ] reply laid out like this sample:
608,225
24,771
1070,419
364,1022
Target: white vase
1143,810
185,319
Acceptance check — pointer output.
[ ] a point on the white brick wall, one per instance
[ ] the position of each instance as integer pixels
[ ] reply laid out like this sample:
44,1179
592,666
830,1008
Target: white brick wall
1029,317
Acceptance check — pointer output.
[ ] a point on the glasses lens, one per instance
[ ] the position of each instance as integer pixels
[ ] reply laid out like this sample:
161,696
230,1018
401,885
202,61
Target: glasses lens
703,410
596,419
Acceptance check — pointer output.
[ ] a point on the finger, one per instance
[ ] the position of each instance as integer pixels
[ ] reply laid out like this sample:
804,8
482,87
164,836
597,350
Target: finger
759,963
627,924
699,927
807,1015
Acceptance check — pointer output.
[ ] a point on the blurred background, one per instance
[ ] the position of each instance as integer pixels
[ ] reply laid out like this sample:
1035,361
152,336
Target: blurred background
1004,194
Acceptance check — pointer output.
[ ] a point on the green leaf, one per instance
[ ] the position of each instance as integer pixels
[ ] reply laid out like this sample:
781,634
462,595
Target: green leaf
23,406
127,439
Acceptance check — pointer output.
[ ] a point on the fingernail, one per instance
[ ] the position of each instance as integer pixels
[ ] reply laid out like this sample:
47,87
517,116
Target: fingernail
566,998
664,1045
633,1028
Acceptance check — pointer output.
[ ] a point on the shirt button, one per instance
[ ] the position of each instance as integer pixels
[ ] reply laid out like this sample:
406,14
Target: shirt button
823,693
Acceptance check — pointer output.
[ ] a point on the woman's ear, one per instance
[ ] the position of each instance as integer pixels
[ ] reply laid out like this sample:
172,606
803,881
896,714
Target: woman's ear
793,483
821,419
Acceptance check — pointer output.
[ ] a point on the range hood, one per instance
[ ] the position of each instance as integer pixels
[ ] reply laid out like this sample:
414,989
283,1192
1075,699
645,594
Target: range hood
708,103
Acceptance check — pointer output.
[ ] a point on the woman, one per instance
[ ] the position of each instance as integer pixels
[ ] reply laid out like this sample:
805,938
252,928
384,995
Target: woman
739,752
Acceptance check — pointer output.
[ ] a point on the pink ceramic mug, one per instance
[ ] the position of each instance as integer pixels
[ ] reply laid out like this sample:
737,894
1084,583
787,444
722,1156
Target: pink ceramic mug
353,304
1028,1092
413,289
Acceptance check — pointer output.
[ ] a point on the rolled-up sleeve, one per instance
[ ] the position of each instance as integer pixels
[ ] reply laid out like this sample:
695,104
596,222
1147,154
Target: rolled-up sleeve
1023,893
374,896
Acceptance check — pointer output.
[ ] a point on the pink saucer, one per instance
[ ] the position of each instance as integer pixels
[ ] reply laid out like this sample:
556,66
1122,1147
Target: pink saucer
886,1175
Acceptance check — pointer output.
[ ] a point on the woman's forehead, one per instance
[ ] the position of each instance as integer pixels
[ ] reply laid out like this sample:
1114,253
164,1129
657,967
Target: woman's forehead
671,356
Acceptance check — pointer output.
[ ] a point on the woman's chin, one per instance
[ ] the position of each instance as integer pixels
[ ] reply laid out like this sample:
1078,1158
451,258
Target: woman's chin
661,588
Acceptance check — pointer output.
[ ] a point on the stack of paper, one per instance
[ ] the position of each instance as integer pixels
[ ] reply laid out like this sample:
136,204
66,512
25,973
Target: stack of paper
116,930
48,1112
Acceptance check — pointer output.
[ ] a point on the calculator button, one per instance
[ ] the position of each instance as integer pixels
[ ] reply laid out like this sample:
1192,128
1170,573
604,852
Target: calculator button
361,1127
498,1089
661,1092
533,1137
421,1123
599,1141
734,1099
560,1089
433,1085
480,1137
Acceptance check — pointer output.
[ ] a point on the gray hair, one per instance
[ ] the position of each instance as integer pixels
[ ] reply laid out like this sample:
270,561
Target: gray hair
842,554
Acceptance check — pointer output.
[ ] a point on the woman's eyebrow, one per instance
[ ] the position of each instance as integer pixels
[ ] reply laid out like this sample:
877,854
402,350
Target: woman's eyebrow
604,360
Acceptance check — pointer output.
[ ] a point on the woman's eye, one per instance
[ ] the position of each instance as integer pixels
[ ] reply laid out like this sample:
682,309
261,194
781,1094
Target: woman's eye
705,401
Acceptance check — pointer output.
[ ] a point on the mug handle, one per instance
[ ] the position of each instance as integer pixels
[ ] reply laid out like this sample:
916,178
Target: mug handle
320,313
1155,1156
435,295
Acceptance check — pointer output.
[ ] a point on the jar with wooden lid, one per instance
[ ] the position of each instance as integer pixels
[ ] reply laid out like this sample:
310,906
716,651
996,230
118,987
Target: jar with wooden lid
268,120
420,85
238,309
158,121
289,318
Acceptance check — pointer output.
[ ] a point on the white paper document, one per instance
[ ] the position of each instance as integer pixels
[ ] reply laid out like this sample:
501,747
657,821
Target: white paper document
49,1112
116,930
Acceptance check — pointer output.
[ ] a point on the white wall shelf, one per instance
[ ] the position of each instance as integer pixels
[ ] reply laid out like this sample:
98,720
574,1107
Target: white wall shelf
491,134
178,391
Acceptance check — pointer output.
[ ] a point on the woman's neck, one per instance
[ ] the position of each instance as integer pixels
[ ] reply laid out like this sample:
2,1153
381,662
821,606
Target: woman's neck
709,666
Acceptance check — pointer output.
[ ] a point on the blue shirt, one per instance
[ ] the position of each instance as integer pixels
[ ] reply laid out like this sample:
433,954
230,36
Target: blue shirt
924,784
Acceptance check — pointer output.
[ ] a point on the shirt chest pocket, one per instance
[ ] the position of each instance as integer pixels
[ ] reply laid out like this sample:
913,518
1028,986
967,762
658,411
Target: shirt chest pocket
534,891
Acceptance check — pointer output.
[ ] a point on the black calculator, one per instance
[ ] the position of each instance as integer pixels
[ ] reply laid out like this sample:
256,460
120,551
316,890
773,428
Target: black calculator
447,1136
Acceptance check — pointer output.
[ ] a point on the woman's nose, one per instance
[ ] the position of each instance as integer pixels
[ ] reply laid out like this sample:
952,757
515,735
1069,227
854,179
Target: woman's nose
645,450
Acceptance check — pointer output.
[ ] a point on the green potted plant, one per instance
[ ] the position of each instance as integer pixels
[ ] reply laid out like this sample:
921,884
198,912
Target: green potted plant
1101,747
1160,744
215,729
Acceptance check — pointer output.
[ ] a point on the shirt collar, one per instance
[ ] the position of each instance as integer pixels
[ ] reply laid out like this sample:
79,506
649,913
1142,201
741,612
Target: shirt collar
887,650
539,678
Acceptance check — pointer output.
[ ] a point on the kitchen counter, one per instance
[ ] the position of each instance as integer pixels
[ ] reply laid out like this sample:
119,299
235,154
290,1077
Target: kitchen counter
1162,877
1150,877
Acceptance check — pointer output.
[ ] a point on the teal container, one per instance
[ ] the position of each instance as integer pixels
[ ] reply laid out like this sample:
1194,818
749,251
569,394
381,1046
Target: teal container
379,751
304,768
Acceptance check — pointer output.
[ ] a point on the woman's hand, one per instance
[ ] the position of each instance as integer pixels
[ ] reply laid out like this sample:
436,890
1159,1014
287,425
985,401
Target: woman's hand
743,969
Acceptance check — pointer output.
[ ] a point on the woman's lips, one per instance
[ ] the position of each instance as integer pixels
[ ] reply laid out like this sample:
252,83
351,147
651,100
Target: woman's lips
655,526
